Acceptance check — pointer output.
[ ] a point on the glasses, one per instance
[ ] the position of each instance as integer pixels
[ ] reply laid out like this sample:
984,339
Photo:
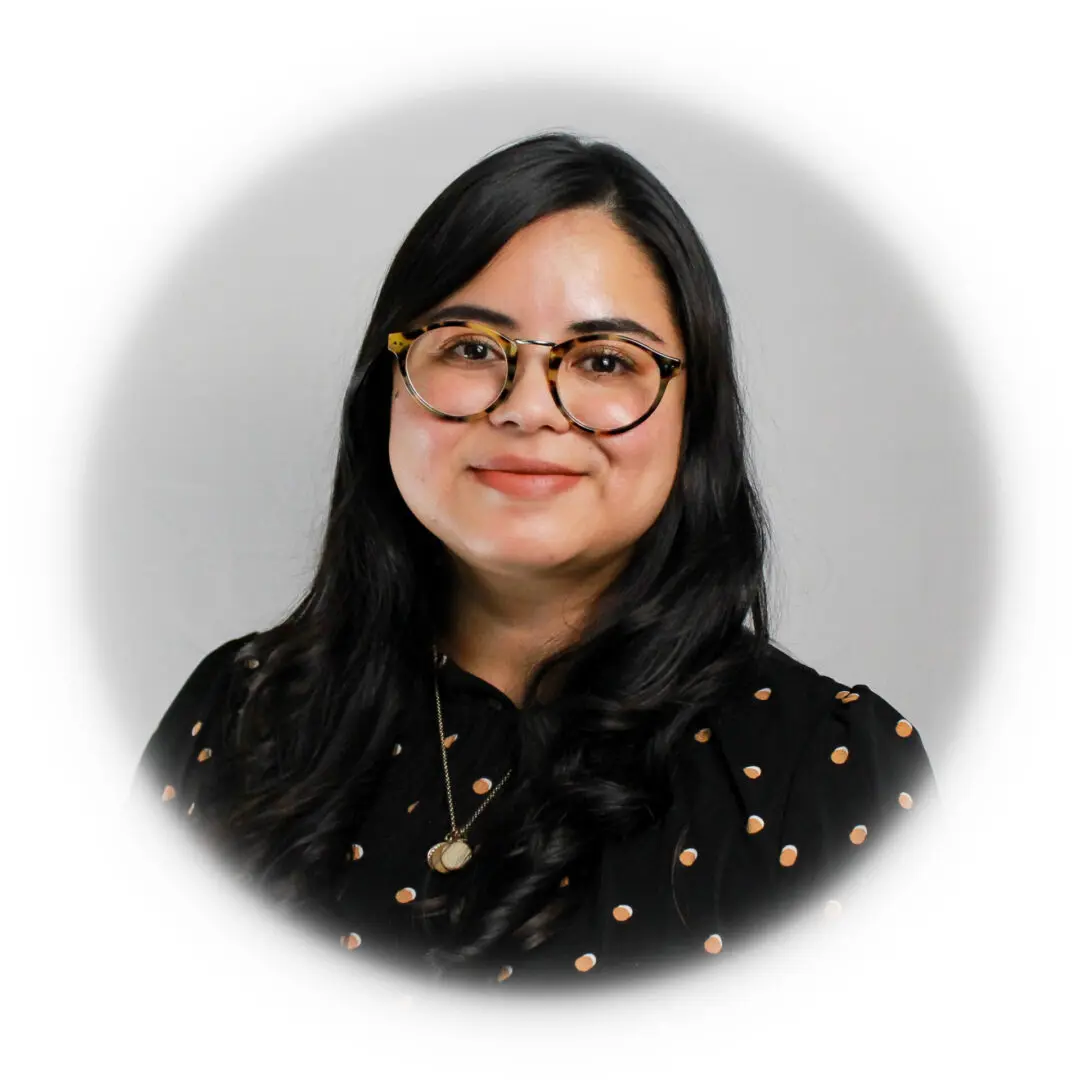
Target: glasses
604,383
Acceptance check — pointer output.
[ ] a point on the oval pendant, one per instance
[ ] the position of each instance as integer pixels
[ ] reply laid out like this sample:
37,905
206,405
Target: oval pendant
455,854
434,856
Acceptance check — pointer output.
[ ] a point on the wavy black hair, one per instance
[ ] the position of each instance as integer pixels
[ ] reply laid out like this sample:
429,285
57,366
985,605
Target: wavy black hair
667,639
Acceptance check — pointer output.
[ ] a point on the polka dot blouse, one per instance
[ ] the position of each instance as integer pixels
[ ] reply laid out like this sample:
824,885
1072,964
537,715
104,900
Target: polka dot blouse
777,797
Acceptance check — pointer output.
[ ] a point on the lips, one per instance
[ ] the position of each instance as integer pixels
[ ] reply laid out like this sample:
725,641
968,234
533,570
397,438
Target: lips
512,463
526,484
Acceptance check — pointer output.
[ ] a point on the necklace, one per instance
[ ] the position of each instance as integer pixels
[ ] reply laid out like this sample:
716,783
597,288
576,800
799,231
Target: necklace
454,851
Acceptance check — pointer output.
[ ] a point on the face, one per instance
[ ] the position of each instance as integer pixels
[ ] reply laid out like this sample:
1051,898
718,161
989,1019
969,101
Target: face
567,268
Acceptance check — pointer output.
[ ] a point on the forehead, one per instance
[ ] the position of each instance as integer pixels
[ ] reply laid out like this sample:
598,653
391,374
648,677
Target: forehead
569,267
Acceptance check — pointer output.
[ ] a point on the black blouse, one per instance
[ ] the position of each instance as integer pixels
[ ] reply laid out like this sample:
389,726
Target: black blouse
786,789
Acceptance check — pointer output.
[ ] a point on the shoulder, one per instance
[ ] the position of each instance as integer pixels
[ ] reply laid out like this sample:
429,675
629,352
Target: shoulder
855,756
804,701
193,720
795,778
798,735
851,721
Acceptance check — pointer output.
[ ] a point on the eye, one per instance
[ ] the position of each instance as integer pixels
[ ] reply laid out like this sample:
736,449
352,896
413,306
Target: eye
473,349
604,360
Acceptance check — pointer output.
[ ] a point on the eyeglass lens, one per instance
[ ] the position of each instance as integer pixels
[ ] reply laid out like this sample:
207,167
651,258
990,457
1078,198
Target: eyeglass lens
603,384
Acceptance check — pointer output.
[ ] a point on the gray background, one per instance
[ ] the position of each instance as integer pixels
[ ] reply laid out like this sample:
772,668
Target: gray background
209,480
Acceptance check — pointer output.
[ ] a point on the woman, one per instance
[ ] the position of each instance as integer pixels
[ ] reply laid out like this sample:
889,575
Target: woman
528,720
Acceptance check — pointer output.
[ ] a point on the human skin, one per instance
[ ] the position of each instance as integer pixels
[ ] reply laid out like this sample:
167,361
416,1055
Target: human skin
528,569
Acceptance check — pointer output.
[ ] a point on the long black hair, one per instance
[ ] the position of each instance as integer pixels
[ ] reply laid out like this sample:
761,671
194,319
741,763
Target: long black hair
666,640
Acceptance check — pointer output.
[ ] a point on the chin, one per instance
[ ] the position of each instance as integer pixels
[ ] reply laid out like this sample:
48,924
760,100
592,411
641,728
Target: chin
528,552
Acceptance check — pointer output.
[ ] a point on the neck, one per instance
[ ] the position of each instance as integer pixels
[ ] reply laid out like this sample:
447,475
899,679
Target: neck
502,625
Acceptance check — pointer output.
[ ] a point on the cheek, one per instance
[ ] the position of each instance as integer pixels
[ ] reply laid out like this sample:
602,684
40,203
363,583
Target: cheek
419,443
410,446
643,464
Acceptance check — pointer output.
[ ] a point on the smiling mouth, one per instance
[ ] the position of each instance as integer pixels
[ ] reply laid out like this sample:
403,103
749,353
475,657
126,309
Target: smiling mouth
526,483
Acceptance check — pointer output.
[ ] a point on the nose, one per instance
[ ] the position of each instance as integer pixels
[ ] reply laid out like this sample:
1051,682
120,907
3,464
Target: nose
530,403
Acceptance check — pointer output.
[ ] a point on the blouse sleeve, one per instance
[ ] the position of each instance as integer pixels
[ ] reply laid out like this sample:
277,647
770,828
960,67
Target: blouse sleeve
189,732
863,776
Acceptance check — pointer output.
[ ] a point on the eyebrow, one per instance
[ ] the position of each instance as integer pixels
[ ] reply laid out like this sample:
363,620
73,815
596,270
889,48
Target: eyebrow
502,321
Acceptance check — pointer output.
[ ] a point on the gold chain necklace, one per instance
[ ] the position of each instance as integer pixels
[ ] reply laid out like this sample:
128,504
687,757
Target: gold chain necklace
454,851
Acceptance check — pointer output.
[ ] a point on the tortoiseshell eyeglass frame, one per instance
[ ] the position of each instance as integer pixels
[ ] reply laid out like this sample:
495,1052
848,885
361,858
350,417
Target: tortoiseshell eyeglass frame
398,344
